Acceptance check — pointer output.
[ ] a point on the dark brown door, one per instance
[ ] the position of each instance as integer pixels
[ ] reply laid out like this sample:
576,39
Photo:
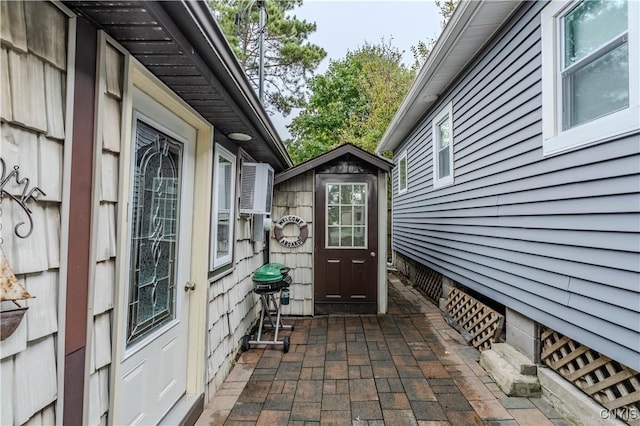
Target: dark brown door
346,244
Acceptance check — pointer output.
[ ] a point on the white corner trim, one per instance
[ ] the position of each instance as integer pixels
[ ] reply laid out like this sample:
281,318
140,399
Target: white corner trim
382,242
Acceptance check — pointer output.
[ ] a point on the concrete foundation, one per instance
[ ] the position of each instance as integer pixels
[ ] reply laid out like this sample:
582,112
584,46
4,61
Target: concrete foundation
523,334
575,406
512,371
447,285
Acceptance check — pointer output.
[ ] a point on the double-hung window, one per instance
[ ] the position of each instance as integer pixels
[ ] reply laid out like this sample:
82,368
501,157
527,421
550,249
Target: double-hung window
402,173
442,130
222,207
590,72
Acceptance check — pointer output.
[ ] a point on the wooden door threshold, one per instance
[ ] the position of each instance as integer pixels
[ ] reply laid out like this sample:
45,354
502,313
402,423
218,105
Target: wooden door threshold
326,308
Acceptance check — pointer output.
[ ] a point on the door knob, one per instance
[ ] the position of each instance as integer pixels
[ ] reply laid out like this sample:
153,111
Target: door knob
373,254
189,286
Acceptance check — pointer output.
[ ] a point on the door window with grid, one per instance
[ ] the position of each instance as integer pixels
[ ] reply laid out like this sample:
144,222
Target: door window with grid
346,215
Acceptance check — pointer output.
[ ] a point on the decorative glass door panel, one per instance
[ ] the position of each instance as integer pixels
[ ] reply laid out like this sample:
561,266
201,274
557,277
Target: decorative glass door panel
154,234
346,215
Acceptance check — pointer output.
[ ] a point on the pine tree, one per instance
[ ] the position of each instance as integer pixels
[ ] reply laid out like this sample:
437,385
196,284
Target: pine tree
289,59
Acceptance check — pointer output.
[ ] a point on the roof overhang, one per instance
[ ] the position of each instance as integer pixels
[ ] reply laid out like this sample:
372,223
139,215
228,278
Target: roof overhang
180,43
471,26
346,149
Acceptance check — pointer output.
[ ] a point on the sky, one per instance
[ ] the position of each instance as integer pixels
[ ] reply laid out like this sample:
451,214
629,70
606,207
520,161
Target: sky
345,25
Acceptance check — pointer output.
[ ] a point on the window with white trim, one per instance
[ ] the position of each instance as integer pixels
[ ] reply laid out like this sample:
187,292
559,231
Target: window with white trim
222,207
590,72
442,131
402,173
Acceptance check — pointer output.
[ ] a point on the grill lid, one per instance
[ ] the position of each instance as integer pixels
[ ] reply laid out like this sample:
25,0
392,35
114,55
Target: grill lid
270,272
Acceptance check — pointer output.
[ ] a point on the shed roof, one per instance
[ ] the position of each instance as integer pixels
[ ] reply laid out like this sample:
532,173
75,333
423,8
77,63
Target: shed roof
342,150
180,43
471,26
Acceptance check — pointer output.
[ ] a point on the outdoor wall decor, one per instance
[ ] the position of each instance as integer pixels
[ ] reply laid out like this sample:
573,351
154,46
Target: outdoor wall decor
295,241
28,193
10,291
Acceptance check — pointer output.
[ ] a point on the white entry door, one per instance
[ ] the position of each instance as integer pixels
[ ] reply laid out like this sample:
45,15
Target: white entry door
155,335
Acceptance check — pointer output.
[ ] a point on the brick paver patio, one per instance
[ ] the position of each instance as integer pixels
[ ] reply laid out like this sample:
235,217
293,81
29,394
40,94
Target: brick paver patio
408,367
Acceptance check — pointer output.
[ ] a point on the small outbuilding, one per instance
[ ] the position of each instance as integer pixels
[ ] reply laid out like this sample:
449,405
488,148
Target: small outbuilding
329,226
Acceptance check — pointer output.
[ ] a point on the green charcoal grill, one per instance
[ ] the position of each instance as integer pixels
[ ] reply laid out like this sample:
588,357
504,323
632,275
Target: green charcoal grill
270,280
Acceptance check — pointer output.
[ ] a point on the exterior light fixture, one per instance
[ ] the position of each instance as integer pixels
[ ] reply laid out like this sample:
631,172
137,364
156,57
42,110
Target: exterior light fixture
430,98
240,137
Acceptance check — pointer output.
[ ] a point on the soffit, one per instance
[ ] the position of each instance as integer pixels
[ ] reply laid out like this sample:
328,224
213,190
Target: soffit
170,40
469,29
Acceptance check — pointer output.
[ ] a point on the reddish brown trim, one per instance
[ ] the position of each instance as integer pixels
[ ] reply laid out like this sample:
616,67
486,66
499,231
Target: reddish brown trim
80,222
73,387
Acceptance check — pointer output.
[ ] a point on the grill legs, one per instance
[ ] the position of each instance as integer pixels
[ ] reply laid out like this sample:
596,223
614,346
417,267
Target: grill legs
270,308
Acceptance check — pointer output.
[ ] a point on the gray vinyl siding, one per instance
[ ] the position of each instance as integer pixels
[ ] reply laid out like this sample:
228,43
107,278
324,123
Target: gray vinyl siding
555,238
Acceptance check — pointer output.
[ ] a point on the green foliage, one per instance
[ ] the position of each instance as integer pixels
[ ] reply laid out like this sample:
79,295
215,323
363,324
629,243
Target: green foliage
354,101
447,7
289,60
422,50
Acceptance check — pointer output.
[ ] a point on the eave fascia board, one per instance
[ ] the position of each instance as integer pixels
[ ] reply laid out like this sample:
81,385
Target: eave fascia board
241,89
347,148
424,93
408,113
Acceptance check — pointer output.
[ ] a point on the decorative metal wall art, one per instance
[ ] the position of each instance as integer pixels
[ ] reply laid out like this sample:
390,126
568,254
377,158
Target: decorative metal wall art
28,193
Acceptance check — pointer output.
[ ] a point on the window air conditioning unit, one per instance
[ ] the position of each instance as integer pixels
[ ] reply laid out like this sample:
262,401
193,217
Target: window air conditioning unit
256,189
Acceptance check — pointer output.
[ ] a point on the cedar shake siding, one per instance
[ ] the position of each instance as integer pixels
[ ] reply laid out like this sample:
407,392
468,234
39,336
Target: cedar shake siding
34,70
